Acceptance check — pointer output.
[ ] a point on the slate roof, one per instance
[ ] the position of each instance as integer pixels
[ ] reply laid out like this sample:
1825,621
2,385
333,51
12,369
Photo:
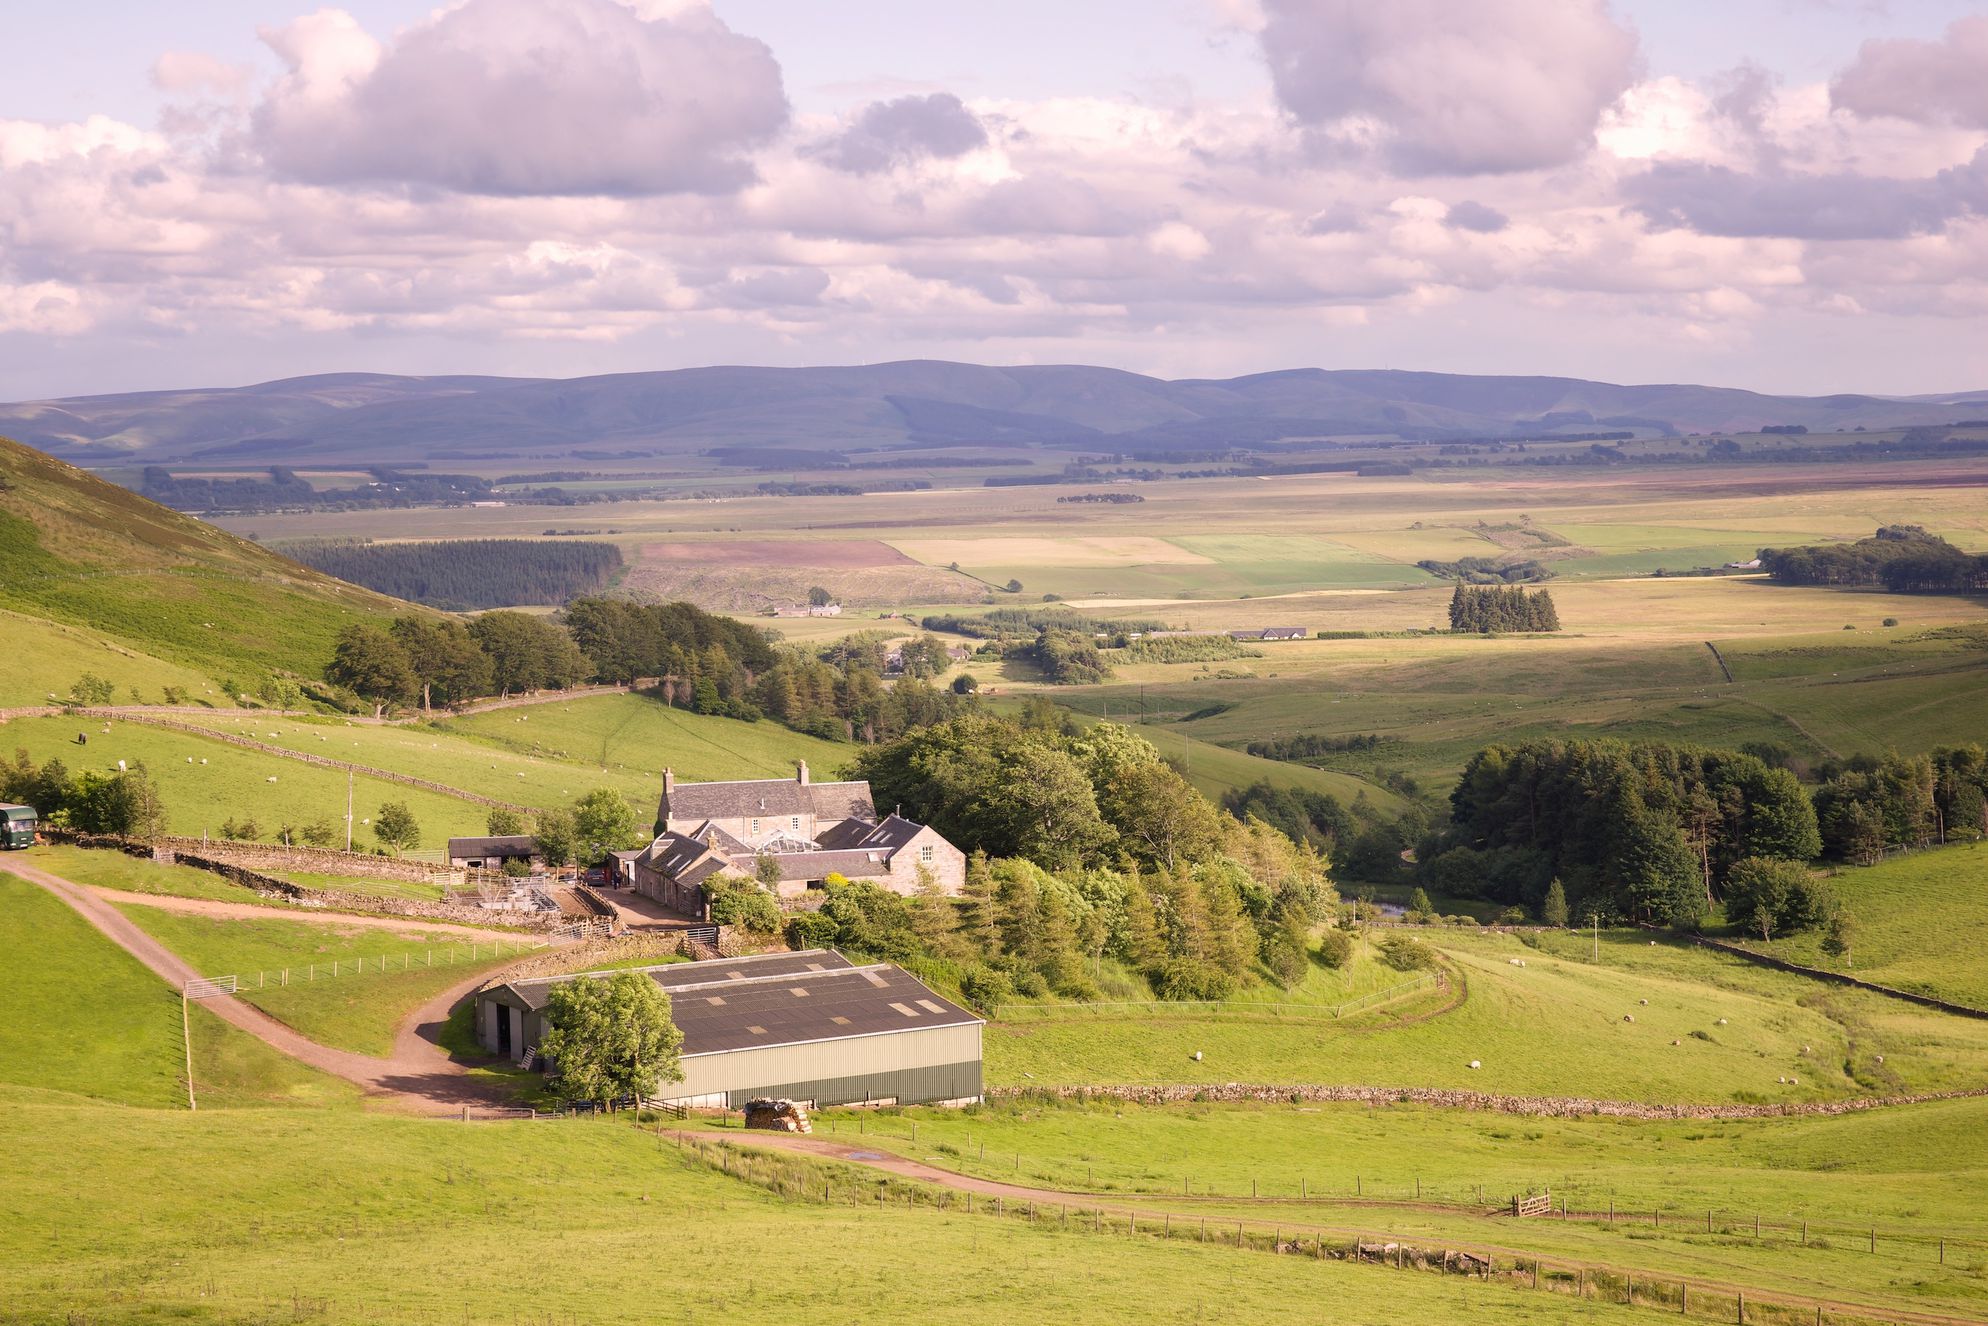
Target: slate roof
512,844
894,832
769,796
781,999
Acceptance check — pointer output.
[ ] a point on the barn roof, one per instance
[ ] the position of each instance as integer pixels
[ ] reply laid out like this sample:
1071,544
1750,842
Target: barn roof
506,844
769,796
781,999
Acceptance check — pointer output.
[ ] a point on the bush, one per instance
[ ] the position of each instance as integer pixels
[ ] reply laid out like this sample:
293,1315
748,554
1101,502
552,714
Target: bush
517,868
1335,949
1190,978
1891,621
746,905
811,930
1512,916
985,988
1404,953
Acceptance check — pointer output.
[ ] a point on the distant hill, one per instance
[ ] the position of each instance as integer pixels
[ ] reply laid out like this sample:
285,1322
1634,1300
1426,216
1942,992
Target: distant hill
135,576
381,418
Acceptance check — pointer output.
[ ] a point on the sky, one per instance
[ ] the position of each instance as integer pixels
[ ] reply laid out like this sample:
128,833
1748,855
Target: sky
1786,195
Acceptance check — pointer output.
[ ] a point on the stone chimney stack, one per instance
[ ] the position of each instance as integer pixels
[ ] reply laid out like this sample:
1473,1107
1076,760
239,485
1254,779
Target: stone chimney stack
669,781
801,771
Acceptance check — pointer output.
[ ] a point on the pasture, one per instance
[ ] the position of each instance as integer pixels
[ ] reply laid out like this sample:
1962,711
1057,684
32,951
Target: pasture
347,986
46,656
1643,1024
320,1235
1917,918
87,1020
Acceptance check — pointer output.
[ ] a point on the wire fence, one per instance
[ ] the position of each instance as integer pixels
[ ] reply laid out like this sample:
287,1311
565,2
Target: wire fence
806,1179
1569,1203
450,955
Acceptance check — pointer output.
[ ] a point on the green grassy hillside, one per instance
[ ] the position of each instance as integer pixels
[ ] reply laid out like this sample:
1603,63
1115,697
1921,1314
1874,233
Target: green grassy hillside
82,551
1918,925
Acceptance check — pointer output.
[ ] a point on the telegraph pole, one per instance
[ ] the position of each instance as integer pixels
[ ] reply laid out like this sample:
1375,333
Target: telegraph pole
348,808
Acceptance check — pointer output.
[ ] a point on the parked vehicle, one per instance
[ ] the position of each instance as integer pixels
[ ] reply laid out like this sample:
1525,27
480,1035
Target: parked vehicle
17,826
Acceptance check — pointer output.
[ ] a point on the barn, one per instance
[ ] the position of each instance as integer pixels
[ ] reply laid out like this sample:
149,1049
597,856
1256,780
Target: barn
809,1026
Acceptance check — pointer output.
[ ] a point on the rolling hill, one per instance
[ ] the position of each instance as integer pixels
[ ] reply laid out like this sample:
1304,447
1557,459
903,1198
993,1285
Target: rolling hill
97,573
359,417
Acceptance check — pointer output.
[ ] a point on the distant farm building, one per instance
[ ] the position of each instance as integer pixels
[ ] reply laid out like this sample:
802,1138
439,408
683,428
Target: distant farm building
808,610
492,853
1270,633
1751,564
808,830
810,1027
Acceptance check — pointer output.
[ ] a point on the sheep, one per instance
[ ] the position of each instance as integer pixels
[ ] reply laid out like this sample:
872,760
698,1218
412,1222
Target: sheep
1474,1063
1196,1056
270,779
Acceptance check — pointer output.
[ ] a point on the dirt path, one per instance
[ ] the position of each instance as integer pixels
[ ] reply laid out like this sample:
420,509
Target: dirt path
418,1075
902,1167
249,911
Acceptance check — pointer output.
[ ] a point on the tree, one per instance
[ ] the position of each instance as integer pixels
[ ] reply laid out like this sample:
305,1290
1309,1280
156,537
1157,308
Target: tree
1419,904
446,660
820,597
394,826
503,823
1838,935
319,832
373,665
1553,911
1014,586
611,1038
558,840
603,822
125,803
966,684
92,689
1777,896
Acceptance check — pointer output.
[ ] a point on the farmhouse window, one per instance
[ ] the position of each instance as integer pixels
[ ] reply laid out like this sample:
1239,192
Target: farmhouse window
925,854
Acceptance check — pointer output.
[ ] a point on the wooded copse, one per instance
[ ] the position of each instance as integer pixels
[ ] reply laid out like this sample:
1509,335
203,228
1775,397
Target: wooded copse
1871,805
125,803
1492,609
462,575
1648,832
1905,559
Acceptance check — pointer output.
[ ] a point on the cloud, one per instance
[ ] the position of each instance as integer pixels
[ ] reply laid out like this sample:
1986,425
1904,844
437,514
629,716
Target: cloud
1442,88
885,133
1476,217
523,97
1716,200
193,71
1931,82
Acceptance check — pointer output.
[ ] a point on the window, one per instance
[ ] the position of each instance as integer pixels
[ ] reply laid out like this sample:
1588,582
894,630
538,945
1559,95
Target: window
795,824
755,826
925,854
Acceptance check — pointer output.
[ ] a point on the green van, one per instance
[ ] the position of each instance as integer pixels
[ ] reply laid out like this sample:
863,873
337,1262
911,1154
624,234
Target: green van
17,826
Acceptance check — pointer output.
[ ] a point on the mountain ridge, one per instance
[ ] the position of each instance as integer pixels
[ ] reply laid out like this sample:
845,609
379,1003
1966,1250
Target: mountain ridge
385,418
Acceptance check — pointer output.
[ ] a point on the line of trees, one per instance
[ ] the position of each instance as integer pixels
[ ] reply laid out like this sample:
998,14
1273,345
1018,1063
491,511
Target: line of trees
1905,559
439,661
461,575
1870,805
1315,745
1491,609
1648,831
126,802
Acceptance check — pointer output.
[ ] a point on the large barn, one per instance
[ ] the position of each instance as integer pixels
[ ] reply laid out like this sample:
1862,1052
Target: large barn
809,1026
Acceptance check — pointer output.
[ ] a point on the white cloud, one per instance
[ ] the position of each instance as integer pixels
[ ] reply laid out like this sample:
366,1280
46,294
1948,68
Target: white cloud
516,97
1450,89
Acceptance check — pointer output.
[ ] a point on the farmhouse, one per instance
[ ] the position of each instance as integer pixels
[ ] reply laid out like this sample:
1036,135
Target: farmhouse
809,1026
1270,633
491,853
808,830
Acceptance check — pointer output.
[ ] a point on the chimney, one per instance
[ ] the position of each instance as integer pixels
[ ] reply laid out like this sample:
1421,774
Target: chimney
669,781
801,771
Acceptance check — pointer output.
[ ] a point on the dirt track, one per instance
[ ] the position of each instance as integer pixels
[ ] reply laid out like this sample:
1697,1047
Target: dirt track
418,1076
1085,1203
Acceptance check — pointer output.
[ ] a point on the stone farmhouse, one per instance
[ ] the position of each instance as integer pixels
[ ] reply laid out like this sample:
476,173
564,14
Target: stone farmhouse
809,831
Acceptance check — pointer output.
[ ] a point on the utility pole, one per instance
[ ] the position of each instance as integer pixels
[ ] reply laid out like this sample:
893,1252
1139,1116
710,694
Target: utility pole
1596,918
348,808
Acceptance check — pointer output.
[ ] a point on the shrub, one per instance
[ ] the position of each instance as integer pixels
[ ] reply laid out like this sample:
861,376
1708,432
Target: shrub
517,868
1335,948
746,905
1404,953
985,988
1891,621
807,930
1512,916
1191,978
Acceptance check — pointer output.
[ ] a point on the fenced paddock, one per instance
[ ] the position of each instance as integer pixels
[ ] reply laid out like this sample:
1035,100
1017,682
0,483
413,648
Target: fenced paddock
446,955
831,1183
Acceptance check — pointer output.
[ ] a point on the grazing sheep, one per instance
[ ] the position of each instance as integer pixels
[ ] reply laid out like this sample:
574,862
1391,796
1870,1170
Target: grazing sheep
1476,1063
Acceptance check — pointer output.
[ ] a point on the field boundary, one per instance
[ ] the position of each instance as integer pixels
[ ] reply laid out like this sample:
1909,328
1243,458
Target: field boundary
1555,1107
1720,659
1839,978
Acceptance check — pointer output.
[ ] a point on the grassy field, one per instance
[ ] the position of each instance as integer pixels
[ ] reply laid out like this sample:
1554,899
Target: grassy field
317,1235
47,657
337,993
1642,1024
631,738
235,783
115,870
90,1021
1918,922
